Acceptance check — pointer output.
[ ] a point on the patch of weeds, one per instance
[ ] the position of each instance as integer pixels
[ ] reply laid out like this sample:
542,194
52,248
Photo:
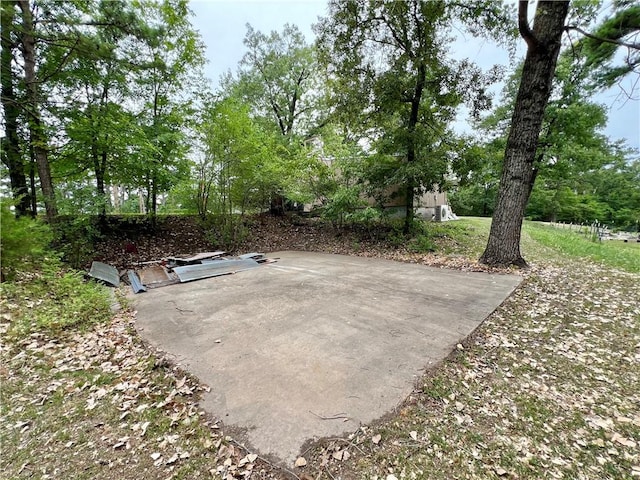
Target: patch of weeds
23,243
436,388
227,231
53,300
460,237
422,244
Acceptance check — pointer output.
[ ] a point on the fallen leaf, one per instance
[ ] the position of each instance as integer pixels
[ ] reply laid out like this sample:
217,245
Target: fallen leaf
300,462
143,428
623,441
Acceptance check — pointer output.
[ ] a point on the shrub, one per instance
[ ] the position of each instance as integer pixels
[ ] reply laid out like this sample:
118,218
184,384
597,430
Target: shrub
75,237
24,242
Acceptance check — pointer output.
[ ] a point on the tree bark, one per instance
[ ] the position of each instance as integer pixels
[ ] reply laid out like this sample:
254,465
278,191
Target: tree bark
37,137
411,146
519,169
11,154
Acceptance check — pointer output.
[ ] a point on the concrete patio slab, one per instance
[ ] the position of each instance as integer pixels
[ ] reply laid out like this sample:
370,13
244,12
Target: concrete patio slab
315,344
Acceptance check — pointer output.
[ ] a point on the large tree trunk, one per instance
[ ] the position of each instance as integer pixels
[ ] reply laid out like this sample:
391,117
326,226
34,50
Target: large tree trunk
37,137
518,173
11,155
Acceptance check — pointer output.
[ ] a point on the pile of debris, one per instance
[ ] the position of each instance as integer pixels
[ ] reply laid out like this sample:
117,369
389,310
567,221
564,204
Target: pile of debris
171,270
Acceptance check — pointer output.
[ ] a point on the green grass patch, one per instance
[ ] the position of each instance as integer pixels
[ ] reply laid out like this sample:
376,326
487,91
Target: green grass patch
462,237
625,256
53,301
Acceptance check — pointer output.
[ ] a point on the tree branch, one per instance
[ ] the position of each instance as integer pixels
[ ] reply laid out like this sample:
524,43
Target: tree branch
633,46
523,25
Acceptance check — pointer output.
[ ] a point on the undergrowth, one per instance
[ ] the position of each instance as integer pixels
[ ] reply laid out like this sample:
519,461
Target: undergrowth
53,300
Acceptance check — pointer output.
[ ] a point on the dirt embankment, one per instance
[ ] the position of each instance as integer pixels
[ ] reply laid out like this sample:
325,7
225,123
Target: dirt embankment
128,243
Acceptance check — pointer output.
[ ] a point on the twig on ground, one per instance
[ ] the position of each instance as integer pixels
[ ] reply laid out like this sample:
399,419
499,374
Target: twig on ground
337,416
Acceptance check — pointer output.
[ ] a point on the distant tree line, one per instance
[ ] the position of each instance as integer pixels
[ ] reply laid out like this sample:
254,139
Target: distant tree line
105,109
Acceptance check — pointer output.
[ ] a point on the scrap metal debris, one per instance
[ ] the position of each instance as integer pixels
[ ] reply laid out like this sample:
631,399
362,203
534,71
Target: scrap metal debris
135,282
216,268
195,259
156,276
104,273
168,271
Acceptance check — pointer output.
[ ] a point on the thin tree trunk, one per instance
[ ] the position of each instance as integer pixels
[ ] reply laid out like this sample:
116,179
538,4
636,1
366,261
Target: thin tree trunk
37,137
411,146
518,173
32,181
12,157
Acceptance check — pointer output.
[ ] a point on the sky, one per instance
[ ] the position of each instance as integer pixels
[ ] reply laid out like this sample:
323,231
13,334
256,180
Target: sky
222,25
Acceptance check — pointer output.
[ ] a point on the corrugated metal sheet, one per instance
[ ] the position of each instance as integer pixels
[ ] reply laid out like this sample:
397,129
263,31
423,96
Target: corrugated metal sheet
135,282
253,256
189,273
105,273
195,258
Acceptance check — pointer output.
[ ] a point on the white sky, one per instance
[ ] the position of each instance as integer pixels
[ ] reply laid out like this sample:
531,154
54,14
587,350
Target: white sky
222,24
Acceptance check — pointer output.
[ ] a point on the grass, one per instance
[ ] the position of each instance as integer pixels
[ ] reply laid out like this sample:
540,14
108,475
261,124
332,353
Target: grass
545,388
460,238
625,256
54,300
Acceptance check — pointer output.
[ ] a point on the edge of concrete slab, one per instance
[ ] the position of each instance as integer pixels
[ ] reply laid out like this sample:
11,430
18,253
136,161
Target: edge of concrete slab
242,433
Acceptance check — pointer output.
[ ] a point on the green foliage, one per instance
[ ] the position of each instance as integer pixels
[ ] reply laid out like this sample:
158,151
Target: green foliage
278,78
226,231
625,256
75,237
446,237
54,301
116,81
394,80
343,204
24,242
614,33
581,175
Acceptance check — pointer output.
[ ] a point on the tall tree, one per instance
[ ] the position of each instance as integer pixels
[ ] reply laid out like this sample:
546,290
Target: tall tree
518,173
11,152
172,56
95,88
278,78
391,74
37,135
